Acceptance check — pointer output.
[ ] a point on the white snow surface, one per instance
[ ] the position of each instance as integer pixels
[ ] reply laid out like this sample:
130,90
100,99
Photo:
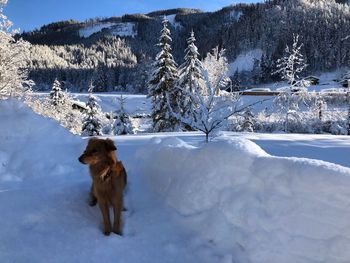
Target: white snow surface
92,29
245,61
117,29
253,207
226,201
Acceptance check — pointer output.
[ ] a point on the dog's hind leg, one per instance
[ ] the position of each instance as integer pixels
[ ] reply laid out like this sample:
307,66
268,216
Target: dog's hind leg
117,209
105,214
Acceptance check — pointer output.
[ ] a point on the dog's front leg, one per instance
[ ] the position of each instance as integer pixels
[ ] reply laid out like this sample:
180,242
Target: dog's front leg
92,196
105,214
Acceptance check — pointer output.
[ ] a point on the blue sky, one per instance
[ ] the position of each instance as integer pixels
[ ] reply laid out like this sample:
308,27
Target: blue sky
30,14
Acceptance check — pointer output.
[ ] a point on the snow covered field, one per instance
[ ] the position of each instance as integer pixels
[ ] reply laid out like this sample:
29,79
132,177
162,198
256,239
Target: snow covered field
232,200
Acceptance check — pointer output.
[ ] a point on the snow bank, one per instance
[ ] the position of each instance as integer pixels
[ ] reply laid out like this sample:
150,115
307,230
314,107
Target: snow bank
29,145
245,61
250,206
43,208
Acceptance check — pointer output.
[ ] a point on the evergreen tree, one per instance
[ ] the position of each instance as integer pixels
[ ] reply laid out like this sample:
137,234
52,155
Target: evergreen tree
265,69
57,97
162,90
100,78
248,121
256,71
122,123
190,76
92,125
236,81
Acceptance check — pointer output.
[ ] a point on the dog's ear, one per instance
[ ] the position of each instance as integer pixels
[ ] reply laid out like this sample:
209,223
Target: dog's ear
110,145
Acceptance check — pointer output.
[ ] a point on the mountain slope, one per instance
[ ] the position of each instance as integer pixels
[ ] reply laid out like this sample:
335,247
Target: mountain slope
322,26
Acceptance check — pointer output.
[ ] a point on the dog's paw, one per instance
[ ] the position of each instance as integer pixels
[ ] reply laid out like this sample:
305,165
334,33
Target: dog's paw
106,233
92,202
119,233
117,230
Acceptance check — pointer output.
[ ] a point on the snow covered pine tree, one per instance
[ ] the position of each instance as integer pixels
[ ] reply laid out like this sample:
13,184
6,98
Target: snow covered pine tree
57,97
162,85
190,76
91,124
120,123
248,120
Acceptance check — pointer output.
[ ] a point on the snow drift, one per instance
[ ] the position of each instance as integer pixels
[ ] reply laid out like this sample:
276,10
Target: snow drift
253,207
31,144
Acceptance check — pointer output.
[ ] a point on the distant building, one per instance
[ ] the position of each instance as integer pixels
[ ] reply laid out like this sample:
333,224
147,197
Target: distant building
312,80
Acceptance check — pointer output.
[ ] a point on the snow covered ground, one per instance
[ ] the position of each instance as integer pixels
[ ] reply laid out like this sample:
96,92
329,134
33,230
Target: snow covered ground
232,200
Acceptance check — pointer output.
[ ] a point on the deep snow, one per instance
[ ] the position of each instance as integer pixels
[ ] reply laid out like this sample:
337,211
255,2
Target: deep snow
228,201
251,206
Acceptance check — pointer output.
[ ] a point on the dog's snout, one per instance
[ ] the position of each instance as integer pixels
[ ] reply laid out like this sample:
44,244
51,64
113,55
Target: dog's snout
81,159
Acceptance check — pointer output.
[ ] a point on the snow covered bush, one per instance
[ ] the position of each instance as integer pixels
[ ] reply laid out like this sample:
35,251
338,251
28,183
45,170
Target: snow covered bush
338,128
63,113
216,65
13,59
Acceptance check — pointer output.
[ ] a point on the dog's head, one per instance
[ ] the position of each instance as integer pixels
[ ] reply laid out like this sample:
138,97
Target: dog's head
96,151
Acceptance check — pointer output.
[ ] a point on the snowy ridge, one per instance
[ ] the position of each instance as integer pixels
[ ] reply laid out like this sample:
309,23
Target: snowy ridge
117,29
254,207
172,21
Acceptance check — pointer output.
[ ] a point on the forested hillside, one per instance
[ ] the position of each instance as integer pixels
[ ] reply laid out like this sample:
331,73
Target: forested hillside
116,52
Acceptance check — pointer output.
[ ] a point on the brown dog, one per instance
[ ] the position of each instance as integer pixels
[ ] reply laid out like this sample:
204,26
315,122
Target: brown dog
108,180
